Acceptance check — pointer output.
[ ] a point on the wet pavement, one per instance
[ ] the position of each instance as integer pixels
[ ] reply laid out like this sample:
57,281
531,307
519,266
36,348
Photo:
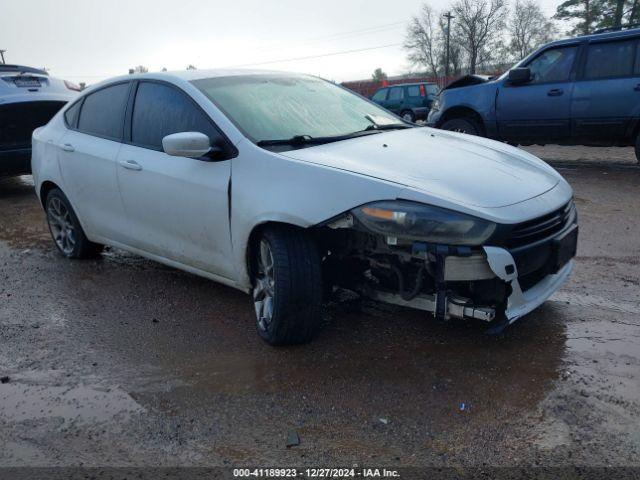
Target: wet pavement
122,361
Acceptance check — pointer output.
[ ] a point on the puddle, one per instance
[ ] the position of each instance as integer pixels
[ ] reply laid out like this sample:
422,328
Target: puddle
598,302
83,404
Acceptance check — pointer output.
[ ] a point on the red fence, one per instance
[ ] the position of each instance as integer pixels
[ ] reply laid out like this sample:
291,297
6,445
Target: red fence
368,87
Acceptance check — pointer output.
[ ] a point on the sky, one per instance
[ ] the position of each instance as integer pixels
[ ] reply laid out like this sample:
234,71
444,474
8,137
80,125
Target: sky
90,40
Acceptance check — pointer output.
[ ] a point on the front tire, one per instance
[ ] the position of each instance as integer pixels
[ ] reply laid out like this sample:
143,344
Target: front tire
65,228
463,125
287,286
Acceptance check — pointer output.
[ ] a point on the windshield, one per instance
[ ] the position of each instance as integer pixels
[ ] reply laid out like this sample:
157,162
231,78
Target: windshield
272,107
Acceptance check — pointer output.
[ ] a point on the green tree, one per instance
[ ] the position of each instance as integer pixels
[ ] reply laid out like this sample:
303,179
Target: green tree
591,15
379,75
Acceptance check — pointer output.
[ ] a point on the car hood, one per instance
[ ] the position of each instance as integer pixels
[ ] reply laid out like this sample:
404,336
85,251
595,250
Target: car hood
455,167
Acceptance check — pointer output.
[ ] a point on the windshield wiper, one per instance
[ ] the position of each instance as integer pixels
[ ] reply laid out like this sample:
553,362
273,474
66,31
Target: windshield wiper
295,140
300,140
387,126
384,126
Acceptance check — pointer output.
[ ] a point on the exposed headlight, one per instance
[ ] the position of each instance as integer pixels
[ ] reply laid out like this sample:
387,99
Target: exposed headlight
417,221
72,86
435,106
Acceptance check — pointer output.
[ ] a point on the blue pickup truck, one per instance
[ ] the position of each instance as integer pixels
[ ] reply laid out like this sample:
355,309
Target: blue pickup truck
579,91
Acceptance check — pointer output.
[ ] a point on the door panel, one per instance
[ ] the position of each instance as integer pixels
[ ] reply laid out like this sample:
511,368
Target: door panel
88,154
178,207
88,167
539,111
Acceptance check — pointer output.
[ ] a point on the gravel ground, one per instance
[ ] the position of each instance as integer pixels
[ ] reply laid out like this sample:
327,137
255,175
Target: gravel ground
123,362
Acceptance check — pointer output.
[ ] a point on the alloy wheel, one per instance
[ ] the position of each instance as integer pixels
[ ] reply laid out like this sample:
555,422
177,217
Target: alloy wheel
263,291
61,226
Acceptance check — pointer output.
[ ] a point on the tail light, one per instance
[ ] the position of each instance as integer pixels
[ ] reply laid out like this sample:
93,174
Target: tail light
72,86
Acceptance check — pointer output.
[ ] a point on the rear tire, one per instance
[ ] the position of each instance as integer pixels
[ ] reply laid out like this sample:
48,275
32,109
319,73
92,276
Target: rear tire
66,231
463,125
408,116
287,286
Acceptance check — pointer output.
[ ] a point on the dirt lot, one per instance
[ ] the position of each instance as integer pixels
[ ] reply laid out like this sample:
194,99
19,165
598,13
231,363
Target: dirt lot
121,361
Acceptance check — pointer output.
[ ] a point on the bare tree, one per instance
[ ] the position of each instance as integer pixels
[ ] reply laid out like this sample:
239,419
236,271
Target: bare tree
478,28
425,41
140,69
528,28
191,67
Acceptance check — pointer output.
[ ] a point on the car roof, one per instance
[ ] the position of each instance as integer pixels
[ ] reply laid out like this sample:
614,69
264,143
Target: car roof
409,84
604,35
191,75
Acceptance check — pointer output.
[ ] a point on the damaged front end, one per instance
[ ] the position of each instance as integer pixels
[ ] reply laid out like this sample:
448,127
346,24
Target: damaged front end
437,260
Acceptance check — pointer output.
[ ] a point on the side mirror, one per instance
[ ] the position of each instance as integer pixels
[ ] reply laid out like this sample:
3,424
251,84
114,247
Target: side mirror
519,75
187,144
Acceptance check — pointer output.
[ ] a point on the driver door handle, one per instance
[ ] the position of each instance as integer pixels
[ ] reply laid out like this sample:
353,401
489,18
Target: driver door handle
130,165
67,147
555,92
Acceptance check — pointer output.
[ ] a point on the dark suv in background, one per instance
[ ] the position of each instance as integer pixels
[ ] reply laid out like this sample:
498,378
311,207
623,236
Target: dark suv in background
411,101
580,91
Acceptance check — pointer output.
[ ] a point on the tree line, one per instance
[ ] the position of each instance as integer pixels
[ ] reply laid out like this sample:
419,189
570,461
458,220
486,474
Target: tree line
486,35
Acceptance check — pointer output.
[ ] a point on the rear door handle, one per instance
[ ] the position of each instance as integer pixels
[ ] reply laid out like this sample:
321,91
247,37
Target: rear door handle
555,92
67,147
130,165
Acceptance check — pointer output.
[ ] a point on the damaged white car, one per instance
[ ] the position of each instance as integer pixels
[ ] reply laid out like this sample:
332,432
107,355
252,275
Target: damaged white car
287,186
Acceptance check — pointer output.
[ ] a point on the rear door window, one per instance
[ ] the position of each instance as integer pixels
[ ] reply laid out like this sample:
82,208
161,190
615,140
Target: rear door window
162,110
102,112
553,65
396,93
611,59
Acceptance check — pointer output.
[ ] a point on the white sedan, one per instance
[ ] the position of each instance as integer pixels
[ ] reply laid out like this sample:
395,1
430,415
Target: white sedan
287,187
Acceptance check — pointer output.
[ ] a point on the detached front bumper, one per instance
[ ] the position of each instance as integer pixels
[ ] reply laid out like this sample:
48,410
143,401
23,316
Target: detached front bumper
520,302
433,118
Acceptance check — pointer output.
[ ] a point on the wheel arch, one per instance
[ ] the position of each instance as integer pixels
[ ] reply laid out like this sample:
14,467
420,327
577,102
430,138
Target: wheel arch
254,237
463,112
45,188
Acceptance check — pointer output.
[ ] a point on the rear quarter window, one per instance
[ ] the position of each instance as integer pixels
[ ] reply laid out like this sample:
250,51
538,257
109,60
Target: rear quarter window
72,113
414,91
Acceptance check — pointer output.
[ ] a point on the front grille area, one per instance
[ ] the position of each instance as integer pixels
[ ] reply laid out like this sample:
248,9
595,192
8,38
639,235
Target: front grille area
19,120
540,228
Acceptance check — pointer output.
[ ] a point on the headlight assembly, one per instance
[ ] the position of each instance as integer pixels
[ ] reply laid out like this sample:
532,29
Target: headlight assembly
417,221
